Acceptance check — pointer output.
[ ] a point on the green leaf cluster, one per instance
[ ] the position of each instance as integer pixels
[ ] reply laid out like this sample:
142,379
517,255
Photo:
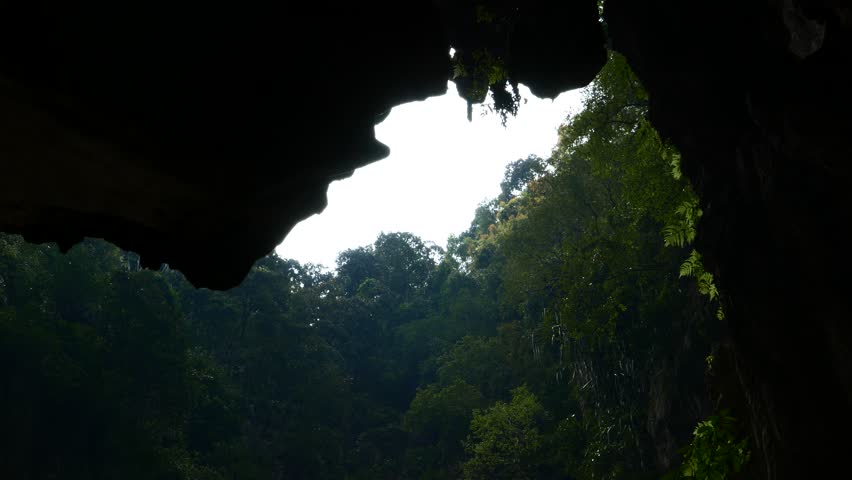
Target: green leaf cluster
716,452
682,232
505,439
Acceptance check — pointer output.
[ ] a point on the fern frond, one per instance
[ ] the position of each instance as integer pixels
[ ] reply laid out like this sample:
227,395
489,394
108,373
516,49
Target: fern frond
673,236
686,269
706,285
692,266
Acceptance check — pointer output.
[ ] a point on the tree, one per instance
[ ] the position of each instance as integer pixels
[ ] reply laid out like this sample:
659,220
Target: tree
438,421
589,292
505,441
519,174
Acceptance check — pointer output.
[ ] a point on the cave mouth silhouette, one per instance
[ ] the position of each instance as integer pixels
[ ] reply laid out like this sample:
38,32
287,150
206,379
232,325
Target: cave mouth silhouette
179,134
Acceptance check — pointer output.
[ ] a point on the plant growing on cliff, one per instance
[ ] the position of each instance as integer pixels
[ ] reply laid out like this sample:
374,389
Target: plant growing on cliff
681,232
482,67
716,450
482,72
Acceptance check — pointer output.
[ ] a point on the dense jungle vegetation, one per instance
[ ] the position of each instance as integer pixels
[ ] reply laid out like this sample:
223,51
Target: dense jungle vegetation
562,336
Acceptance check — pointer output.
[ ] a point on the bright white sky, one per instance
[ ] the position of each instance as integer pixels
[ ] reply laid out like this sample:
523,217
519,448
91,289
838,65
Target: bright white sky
441,167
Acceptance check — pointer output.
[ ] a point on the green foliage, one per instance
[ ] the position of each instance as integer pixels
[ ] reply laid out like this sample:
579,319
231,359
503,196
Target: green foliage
673,156
438,421
94,356
482,68
480,72
478,361
716,450
442,413
682,232
505,440
693,267
589,287
484,71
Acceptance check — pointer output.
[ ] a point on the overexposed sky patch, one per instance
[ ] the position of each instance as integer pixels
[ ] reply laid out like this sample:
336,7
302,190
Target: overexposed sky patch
441,167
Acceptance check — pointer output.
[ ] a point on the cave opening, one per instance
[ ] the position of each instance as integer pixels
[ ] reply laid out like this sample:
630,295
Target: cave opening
440,168
552,313
191,137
